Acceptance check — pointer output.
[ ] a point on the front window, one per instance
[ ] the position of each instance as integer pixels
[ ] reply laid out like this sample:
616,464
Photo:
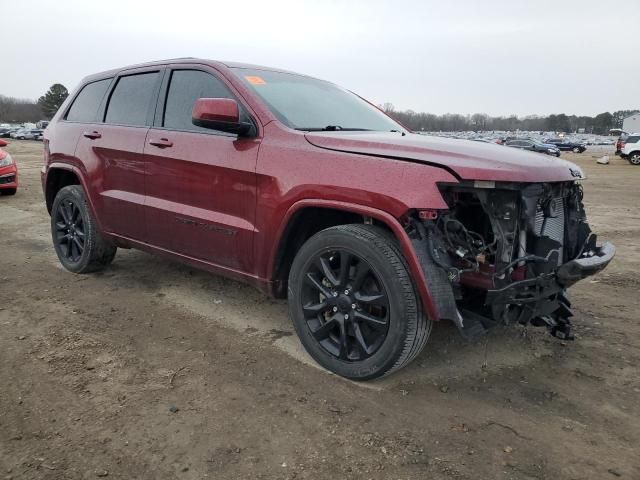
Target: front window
309,104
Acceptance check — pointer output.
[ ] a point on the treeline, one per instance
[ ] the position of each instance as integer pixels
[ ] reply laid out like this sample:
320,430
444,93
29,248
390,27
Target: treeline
17,110
453,122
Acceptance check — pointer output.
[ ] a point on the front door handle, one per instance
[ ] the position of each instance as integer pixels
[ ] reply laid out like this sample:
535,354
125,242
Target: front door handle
161,143
92,135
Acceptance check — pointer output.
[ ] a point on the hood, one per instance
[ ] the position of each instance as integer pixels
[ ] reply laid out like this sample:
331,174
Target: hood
465,159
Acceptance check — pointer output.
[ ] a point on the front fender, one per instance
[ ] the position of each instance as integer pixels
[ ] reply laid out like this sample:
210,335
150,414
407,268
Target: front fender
406,246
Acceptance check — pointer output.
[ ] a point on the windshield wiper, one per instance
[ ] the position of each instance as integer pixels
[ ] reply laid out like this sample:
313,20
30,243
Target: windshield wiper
333,128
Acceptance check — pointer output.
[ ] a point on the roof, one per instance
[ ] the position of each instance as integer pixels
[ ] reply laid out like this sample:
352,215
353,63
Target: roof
188,60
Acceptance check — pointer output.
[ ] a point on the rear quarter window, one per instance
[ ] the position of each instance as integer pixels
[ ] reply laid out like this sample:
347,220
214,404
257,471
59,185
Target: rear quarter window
130,102
633,139
85,106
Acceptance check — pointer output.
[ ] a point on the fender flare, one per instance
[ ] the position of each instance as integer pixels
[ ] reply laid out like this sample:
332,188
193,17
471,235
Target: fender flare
406,246
83,183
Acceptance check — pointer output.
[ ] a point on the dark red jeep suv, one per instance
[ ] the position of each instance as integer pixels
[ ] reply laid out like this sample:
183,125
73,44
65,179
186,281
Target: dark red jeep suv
309,192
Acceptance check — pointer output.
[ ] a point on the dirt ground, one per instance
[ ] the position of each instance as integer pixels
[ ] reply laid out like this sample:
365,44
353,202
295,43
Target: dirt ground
153,370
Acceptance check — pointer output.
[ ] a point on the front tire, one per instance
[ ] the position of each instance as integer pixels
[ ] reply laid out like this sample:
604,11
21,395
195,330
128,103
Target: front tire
577,150
634,158
8,191
78,243
353,303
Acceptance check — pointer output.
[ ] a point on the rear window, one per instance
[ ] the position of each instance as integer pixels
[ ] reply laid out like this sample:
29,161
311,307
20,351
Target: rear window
633,139
130,101
85,106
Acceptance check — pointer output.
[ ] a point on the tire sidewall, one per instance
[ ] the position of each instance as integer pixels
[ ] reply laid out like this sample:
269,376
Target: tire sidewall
400,311
76,195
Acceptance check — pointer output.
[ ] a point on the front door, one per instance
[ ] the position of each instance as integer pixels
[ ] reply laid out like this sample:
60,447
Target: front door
200,183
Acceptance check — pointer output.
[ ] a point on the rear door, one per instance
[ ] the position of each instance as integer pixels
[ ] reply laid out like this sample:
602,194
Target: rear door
113,149
200,183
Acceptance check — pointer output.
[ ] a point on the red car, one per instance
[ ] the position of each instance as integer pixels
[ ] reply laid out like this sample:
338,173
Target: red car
8,172
620,142
310,193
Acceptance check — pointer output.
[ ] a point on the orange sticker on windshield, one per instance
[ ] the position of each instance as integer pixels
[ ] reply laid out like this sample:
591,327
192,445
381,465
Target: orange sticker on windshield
253,80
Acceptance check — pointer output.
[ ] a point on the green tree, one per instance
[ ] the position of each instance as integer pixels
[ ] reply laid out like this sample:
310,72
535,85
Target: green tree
602,123
50,102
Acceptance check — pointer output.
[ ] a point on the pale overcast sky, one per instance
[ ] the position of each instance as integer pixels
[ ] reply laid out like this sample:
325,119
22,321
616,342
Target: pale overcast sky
496,57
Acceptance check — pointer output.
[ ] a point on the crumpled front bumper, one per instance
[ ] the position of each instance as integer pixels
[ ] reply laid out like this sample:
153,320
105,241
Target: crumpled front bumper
541,289
580,268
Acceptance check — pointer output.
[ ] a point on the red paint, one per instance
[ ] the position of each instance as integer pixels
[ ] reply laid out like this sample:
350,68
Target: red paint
8,171
216,109
222,202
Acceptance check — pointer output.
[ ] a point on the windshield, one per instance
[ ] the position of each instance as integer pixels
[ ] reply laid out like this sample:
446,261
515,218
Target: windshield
309,104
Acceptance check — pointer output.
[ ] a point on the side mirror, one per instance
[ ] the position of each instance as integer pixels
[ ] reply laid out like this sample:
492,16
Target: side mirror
219,114
3,143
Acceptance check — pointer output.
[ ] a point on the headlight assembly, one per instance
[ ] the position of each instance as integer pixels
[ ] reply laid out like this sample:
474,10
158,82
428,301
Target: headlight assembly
6,161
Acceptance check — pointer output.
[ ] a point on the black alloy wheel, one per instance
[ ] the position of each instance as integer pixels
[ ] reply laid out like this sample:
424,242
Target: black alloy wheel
345,304
354,304
69,230
80,247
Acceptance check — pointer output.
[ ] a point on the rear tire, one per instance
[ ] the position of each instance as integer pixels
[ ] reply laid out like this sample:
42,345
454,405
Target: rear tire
78,243
577,150
634,158
353,302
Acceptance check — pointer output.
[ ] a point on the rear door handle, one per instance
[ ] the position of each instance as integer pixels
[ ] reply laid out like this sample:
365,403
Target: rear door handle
92,135
162,143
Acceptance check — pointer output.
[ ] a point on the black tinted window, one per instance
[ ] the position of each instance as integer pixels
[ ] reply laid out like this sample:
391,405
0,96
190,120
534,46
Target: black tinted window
633,139
131,99
185,88
85,106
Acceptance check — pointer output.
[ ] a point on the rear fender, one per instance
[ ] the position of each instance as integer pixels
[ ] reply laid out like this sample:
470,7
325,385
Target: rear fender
83,183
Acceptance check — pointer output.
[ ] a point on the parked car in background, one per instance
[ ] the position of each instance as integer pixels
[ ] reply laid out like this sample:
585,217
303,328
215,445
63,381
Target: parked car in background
34,134
620,142
27,134
565,145
5,132
310,193
8,172
631,149
534,146
19,133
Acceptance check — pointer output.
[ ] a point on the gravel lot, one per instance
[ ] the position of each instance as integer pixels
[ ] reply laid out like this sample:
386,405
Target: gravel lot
153,370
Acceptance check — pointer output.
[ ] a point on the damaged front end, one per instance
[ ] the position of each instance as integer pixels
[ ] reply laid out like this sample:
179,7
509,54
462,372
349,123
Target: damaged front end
507,252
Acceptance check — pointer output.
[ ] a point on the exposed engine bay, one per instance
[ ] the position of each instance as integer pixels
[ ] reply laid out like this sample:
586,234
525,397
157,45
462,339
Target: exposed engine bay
506,253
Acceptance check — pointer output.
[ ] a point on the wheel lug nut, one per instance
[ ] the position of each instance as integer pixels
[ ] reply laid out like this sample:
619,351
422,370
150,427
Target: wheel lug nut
346,292
346,317
353,306
335,294
335,309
